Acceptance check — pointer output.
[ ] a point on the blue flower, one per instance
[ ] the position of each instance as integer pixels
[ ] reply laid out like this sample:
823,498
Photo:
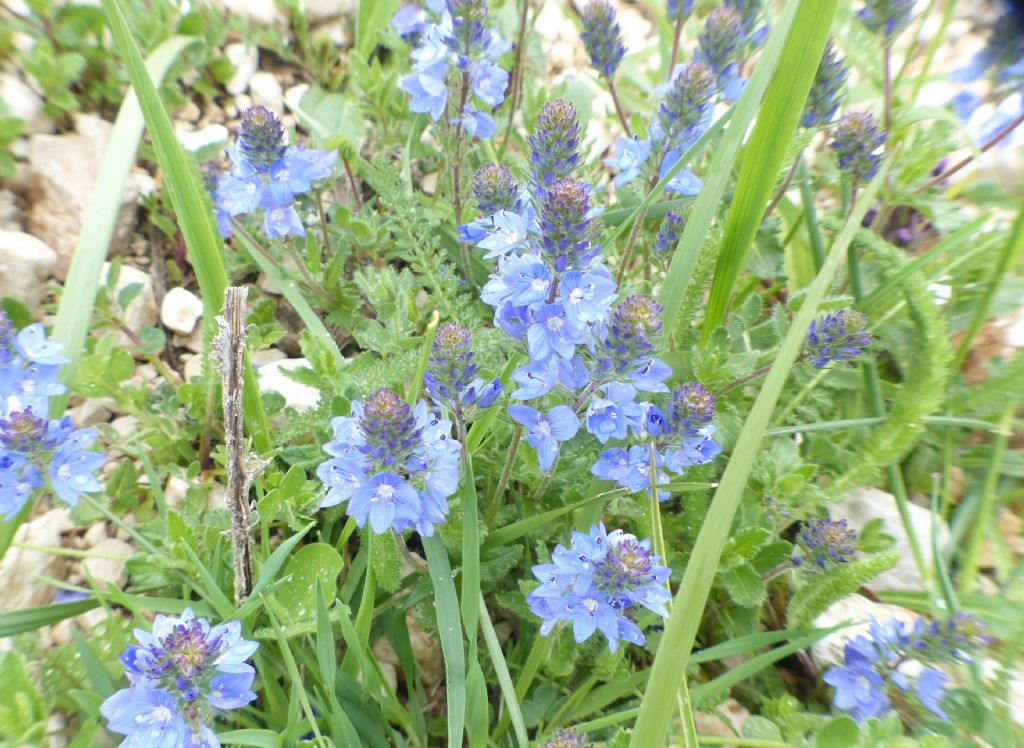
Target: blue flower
282,220
931,689
545,431
669,233
409,21
554,142
395,466
683,182
826,543
679,10
17,485
507,231
595,582
179,672
536,379
33,345
613,412
856,141
476,124
551,332
489,82
450,371
586,297
528,279
428,91
630,156
72,473
859,689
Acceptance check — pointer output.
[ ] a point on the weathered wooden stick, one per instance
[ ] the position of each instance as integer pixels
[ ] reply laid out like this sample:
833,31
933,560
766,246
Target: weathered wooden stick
229,350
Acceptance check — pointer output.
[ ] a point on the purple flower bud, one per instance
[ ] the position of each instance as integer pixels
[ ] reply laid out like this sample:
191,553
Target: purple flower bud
468,22
261,137
827,90
494,188
691,408
669,232
838,336
682,116
565,223
390,427
450,368
886,17
554,142
826,543
567,739
721,40
602,37
634,323
679,10
856,141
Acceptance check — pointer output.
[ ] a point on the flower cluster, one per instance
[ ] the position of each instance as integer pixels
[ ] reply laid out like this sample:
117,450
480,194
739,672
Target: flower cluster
683,115
838,336
602,37
721,46
567,739
826,543
827,89
891,654
395,466
182,674
35,449
886,17
669,233
679,10
450,371
595,582
856,141
674,437
454,59
268,175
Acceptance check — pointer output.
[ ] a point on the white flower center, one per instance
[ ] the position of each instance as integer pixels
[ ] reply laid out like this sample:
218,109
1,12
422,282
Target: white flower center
554,324
539,284
544,428
384,493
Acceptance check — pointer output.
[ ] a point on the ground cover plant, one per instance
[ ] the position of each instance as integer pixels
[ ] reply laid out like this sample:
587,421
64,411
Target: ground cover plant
512,374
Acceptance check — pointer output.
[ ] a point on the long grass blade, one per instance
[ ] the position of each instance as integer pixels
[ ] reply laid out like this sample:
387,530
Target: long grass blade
776,122
449,630
681,629
191,206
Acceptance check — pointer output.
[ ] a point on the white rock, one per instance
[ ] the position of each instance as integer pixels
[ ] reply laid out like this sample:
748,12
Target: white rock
193,342
175,490
10,214
180,310
318,10
195,140
296,395
62,175
26,263
141,310
24,103
93,411
857,610
256,12
20,569
193,368
95,533
265,90
862,505
246,61
293,96
125,426
105,570
267,356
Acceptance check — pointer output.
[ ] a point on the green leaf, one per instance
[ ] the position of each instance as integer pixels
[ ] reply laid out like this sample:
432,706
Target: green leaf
314,564
744,585
269,571
252,738
29,619
332,115
449,631
777,120
841,732
819,592
373,18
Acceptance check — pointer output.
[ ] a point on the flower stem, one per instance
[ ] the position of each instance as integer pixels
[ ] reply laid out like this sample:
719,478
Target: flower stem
991,143
677,32
887,89
618,106
785,185
634,232
506,471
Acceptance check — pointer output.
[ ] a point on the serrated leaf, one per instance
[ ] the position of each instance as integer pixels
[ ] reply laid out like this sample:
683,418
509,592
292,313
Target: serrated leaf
744,585
820,591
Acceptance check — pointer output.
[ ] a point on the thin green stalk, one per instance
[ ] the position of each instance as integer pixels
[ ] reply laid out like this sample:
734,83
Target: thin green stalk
876,406
538,653
811,218
470,544
506,471
673,653
449,631
968,576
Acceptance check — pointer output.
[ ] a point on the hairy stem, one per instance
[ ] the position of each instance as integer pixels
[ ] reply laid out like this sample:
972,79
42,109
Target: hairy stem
506,471
618,106
517,73
991,143
676,33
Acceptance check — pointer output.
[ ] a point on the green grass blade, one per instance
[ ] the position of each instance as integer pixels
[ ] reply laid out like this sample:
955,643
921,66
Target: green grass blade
508,690
681,629
449,630
684,259
29,619
269,571
79,297
776,123
191,206
509,533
